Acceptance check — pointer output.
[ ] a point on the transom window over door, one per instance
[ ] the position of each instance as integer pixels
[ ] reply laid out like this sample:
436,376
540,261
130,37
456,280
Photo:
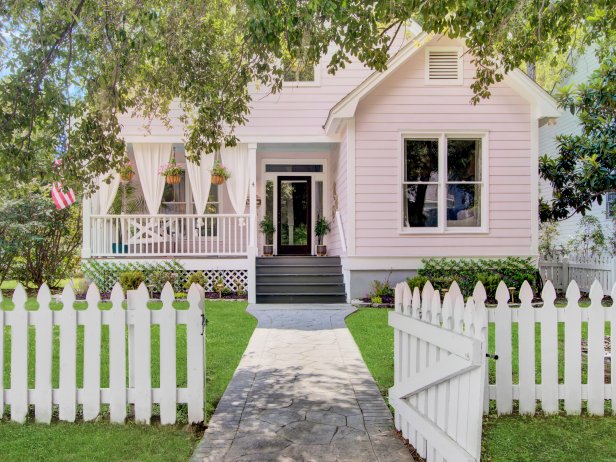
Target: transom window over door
443,184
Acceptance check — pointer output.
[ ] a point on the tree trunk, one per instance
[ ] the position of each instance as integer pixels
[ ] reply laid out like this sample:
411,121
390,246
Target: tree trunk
531,70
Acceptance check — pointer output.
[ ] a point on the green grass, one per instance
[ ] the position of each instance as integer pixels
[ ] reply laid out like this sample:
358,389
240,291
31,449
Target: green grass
507,438
228,331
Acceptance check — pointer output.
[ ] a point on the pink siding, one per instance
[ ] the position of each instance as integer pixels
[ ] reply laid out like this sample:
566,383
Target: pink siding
338,181
404,103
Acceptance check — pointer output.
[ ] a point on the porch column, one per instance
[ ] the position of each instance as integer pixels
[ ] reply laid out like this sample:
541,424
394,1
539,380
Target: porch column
86,210
252,242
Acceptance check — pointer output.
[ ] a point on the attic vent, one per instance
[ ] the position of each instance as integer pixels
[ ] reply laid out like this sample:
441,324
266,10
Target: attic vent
444,66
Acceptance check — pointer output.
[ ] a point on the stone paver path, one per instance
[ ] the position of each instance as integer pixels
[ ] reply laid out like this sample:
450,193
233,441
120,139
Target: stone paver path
301,393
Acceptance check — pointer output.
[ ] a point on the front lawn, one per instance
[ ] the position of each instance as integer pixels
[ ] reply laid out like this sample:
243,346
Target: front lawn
507,438
228,331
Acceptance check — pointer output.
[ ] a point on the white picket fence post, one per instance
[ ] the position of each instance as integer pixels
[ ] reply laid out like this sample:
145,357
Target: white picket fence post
135,323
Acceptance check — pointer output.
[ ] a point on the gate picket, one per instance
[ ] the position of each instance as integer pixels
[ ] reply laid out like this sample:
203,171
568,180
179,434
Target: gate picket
195,340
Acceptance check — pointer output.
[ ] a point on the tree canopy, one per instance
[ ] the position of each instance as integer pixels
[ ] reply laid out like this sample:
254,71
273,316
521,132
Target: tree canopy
585,167
68,68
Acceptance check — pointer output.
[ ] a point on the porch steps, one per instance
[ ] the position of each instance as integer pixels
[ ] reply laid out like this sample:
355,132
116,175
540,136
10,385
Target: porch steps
300,279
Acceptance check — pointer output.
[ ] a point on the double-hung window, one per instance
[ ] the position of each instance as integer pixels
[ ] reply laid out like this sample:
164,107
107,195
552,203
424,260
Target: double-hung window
443,184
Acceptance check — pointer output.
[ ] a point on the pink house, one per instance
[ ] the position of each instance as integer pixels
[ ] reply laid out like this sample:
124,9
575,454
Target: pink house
400,163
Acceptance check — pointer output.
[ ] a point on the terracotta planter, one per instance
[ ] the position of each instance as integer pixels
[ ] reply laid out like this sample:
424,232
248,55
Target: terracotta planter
127,177
216,179
173,179
268,250
321,250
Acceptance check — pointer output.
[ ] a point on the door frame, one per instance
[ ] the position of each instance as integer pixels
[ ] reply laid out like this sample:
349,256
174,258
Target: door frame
305,249
272,176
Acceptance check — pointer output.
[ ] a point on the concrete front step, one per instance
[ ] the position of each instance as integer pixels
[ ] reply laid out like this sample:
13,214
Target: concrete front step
300,298
323,278
298,269
301,287
297,260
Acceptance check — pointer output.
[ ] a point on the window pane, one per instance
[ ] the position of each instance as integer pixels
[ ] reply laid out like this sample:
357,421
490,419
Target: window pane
463,205
296,70
421,160
420,202
463,160
174,197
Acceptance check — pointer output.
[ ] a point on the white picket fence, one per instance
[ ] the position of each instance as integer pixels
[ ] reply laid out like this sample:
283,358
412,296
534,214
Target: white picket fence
135,324
583,269
546,387
440,392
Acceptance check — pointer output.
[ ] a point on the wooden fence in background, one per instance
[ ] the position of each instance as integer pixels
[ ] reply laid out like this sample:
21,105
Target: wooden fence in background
129,349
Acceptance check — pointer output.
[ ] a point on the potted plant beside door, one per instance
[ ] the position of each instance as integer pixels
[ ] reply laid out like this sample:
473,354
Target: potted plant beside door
267,228
321,228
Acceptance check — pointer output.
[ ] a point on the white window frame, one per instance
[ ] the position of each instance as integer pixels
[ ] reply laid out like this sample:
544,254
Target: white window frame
442,137
306,83
438,82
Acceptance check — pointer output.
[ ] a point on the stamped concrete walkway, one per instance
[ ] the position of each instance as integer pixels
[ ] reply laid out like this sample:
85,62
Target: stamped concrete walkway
301,393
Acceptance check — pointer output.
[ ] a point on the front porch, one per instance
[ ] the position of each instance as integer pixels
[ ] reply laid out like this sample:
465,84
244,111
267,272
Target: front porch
214,227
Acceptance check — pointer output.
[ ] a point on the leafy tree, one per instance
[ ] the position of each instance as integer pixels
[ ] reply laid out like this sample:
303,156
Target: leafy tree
38,243
585,167
69,68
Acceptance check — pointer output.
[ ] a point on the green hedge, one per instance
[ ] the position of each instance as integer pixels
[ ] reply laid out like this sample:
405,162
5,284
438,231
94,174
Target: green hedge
441,272
106,274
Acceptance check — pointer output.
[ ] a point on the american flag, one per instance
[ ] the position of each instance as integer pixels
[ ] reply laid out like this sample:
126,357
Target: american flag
60,198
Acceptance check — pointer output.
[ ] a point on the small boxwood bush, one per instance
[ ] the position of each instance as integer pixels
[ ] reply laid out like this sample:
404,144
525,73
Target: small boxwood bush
196,278
131,280
441,272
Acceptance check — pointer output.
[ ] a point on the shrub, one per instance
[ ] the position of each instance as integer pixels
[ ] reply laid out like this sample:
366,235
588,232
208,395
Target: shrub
131,280
490,283
441,272
240,289
227,291
416,281
159,278
376,300
196,278
382,289
38,243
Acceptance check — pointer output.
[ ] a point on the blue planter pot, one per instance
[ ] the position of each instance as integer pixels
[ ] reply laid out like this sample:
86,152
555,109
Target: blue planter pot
119,248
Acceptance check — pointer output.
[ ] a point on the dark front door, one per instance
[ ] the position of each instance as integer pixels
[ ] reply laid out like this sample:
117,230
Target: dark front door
294,227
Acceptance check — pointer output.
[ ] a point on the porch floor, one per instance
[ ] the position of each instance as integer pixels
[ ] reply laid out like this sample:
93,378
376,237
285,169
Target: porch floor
301,392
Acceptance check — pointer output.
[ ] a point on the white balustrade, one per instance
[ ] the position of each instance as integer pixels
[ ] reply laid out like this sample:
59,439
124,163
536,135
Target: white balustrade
169,235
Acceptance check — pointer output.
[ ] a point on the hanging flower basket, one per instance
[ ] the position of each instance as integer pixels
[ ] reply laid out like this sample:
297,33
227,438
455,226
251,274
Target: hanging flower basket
173,179
126,171
172,172
220,174
217,179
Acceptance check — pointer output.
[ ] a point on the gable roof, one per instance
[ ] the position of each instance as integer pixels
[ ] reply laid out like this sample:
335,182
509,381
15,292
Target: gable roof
543,104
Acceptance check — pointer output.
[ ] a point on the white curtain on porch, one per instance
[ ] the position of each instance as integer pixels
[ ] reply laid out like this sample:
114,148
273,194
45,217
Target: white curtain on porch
236,160
106,191
148,159
201,180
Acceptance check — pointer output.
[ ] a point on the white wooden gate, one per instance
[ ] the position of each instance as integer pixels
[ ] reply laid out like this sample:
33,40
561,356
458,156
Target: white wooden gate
439,371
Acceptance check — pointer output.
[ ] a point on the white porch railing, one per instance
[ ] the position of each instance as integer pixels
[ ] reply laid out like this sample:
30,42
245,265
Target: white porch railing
169,235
